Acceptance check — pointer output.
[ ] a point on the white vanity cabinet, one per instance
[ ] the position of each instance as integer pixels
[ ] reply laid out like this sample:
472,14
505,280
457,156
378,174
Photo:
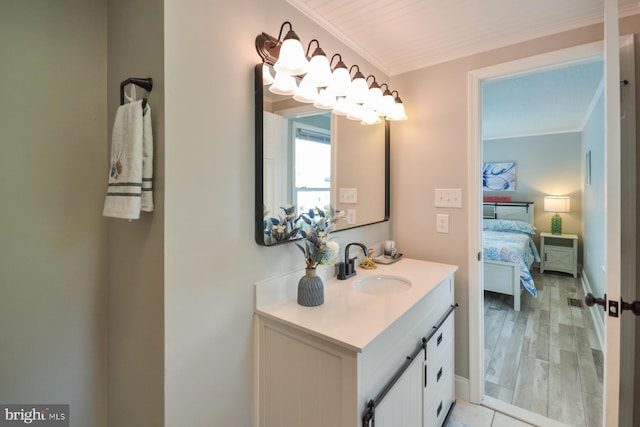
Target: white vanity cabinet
439,387
321,366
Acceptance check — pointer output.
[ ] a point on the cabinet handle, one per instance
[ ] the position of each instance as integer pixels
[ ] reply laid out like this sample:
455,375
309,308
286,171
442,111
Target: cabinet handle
439,375
439,339
425,375
545,257
439,409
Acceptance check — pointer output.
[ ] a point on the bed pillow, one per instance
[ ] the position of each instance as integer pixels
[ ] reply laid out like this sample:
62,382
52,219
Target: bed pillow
508,225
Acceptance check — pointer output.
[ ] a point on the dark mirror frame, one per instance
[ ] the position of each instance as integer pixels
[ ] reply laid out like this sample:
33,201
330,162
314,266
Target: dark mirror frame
259,166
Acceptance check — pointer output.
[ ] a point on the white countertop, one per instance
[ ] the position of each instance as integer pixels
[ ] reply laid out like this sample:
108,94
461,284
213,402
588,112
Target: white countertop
352,318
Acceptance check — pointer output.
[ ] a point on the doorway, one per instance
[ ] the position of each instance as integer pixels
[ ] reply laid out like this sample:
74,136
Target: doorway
545,356
591,52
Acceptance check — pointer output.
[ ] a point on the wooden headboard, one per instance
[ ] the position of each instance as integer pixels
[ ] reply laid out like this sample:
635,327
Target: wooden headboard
519,211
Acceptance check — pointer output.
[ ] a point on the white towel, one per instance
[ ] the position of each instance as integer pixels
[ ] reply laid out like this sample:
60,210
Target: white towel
131,163
147,161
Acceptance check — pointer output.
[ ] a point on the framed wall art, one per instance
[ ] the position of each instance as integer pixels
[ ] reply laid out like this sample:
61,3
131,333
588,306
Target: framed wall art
499,176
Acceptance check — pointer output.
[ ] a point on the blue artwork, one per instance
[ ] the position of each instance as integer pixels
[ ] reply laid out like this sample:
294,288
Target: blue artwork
499,176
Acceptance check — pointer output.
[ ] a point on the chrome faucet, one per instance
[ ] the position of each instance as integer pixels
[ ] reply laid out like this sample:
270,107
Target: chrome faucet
347,268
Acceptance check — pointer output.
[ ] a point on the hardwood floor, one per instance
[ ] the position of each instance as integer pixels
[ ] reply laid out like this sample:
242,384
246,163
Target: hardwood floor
545,358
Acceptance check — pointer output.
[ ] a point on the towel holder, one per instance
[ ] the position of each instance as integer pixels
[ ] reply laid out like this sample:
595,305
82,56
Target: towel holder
145,83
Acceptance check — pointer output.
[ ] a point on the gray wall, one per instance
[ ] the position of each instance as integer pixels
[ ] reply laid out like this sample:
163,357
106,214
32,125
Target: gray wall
53,258
211,258
545,165
136,248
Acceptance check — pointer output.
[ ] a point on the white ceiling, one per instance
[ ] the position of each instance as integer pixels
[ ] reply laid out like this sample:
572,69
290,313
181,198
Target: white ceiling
554,101
398,36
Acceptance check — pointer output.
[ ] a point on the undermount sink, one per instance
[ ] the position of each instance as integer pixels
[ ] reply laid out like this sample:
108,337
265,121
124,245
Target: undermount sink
381,285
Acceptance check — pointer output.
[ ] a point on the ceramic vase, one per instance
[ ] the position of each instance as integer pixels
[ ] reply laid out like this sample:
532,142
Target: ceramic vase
310,289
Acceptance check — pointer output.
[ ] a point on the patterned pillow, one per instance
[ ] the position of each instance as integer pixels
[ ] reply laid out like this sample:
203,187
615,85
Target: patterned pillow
508,225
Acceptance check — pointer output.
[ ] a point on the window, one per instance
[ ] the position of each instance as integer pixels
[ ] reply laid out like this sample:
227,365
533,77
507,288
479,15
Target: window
312,167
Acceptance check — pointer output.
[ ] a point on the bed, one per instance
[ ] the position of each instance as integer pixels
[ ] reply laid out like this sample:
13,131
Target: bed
508,250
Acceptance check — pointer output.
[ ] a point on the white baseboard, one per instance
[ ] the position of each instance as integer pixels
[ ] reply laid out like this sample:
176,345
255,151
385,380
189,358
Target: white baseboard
598,320
462,388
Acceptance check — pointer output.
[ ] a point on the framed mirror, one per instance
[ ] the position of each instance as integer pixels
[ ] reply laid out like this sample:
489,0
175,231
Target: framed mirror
306,157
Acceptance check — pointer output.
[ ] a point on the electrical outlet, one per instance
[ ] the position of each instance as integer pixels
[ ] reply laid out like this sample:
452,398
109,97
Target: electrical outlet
442,223
348,195
351,216
448,198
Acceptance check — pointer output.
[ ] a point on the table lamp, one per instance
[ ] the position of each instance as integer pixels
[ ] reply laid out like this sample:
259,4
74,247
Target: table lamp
556,204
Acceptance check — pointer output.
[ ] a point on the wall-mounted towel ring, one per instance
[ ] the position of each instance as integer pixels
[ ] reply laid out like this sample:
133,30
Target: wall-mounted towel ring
144,83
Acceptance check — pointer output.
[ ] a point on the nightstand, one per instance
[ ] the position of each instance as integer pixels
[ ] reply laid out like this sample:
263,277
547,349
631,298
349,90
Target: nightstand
559,252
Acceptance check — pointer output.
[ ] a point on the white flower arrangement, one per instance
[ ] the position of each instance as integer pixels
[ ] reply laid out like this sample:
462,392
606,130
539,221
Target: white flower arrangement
318,248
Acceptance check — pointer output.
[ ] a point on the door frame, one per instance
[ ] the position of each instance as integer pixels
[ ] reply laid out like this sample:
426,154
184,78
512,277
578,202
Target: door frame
547,61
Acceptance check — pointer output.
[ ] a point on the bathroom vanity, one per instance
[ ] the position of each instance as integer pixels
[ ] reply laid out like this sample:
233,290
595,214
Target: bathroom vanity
379,350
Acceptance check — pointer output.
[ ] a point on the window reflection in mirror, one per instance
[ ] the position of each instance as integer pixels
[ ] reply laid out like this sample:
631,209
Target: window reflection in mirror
311,167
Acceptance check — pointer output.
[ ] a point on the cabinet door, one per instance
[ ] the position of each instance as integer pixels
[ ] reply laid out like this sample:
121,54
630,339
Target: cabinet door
402,406
558,258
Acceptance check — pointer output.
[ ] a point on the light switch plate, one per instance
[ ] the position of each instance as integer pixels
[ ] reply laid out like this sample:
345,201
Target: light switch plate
448,197
348,195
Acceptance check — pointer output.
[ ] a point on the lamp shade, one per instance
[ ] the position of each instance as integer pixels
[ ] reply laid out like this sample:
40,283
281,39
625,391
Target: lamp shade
325,100
388,102
556,204
283,84
292,60
370,117
307,92
267,78
319,69
340,80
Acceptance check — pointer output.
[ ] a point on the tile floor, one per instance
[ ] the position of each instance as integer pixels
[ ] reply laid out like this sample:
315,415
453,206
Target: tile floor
468,414
546,358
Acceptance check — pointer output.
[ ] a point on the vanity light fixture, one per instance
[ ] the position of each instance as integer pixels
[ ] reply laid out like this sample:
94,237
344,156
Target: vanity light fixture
326,86
342,107
291,60
340,78
374,95
356,111
370,118
325,100
307,91
267,78
387,103
319,68
358,89
284,84
397,112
